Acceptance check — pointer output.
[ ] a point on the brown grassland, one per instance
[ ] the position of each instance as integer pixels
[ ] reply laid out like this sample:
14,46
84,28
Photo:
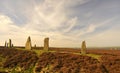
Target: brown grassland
59,61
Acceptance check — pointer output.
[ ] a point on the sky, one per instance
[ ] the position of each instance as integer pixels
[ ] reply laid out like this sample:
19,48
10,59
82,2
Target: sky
66,22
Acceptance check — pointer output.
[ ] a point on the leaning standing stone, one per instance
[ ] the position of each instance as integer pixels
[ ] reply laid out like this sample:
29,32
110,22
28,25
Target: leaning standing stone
83,48
46,44
28,44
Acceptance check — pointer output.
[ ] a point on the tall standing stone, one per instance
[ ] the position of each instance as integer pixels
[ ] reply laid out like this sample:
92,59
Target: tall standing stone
46,44
28,44
10,43
5,44
83,48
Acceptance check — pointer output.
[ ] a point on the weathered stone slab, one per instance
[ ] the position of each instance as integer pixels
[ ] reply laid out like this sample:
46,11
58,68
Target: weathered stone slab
28,44
83,48
10,43
46,44
35,46
5,44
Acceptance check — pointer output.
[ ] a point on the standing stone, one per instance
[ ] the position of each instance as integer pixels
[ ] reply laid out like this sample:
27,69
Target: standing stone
28,44
35,46
5,44
10,43
46,44
83,48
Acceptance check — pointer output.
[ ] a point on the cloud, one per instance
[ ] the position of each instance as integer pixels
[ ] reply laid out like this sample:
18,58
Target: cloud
105,39
5,23
66,22
50,16
52,13
95,28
